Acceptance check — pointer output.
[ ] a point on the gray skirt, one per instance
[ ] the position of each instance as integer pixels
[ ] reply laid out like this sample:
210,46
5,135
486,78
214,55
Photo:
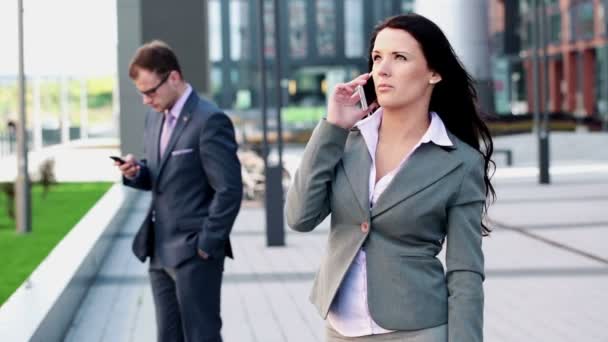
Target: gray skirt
435,334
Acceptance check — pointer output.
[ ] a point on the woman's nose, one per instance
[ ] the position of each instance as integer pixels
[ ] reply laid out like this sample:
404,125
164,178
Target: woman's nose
383,68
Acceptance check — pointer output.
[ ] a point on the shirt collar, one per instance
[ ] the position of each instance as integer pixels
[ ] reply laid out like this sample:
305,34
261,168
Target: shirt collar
436,132
179,104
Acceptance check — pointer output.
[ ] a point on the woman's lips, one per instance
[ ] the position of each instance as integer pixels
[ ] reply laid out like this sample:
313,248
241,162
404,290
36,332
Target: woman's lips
384,87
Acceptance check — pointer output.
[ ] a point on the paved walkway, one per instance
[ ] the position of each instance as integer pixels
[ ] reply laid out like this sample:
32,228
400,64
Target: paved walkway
546,263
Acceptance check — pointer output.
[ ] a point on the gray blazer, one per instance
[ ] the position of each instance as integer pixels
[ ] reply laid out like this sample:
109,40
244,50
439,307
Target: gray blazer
196,185
439,193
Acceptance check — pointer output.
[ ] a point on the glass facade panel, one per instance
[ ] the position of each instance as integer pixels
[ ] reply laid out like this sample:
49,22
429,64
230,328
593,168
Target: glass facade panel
586,20
215,31
298,37
216,82
326,27
582,21
239,29
353,28
555,28
407,6
269,44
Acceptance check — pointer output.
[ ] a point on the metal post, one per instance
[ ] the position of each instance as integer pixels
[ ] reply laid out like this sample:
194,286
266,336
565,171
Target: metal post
274,223
65,110
535,67
278,76
543,136
22,186
262,66
275,232
84,109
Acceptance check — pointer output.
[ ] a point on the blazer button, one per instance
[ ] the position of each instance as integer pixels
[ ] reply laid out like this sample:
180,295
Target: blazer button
365,227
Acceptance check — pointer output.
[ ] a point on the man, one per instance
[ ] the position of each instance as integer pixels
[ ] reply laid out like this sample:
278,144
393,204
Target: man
193,172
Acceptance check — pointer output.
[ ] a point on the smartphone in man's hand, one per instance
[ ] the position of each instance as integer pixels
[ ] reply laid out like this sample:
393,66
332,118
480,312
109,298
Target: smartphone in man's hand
119,160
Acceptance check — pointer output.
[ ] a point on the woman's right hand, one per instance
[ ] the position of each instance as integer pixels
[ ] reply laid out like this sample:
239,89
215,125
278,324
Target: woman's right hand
342,108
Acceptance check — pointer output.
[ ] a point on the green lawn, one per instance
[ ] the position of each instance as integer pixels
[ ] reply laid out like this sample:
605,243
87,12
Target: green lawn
302,114
52,218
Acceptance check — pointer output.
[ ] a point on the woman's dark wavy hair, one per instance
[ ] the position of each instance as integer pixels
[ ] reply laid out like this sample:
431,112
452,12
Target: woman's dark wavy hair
454,99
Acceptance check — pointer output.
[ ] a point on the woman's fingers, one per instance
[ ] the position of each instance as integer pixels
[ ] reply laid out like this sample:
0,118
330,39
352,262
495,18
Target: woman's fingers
359,80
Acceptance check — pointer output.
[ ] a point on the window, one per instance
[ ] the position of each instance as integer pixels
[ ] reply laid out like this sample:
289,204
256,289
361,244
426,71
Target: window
269,43
298,38
215,31
555,27
604,17
239,29
601,87
407,6
326,27
353,28
581,21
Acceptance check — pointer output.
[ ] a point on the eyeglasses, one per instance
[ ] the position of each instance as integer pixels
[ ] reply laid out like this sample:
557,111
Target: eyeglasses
150,92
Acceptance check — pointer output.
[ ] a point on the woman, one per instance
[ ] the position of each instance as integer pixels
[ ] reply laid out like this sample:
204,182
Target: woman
398,183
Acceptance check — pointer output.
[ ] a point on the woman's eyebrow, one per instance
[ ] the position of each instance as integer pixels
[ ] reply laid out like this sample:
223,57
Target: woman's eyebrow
395,52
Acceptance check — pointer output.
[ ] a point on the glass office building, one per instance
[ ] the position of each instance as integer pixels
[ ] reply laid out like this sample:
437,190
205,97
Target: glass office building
577,46
322,42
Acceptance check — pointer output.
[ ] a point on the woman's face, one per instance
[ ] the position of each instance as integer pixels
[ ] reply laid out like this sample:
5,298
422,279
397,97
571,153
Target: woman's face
400,71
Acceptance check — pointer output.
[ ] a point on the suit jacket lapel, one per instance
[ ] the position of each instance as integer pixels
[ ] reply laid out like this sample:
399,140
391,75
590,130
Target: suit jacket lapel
182,122
357,164
426,165
154,146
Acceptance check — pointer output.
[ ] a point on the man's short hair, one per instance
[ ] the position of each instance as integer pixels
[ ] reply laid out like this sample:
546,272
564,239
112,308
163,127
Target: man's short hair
155,56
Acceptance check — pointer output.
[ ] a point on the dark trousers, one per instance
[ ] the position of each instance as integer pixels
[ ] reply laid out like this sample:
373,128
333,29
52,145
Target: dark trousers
187,300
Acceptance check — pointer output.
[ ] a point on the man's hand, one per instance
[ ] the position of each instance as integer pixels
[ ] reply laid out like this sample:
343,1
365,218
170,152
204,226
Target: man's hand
202,254
130,168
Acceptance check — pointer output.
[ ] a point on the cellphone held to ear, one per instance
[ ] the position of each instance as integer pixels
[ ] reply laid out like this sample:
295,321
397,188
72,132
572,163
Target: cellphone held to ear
363,100
118,159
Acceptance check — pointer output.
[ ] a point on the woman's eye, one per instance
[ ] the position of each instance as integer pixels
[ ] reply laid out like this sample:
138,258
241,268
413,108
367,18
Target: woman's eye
375,58
401,57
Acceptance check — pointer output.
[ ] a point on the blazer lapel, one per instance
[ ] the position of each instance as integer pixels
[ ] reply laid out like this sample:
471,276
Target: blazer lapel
357,164
182,122
154,147
428,164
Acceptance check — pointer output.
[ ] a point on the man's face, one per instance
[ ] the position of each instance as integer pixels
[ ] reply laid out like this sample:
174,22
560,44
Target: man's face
157,91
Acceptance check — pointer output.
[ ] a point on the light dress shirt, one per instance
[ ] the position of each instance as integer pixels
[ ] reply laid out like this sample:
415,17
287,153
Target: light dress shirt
349,313
179,104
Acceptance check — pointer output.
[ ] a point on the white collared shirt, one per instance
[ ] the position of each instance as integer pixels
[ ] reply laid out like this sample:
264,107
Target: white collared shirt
349,312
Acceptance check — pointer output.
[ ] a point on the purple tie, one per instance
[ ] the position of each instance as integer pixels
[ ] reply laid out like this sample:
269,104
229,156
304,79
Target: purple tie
166,133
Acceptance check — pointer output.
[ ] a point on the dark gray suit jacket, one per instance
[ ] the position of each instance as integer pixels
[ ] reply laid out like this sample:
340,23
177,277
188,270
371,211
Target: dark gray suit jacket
439,193
196,185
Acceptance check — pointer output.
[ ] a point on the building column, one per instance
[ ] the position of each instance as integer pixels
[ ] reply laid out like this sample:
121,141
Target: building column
589,81
465,23
570,71
556,75
184,28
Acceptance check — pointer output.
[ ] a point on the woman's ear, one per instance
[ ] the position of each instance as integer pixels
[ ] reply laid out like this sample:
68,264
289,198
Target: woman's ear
435,78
